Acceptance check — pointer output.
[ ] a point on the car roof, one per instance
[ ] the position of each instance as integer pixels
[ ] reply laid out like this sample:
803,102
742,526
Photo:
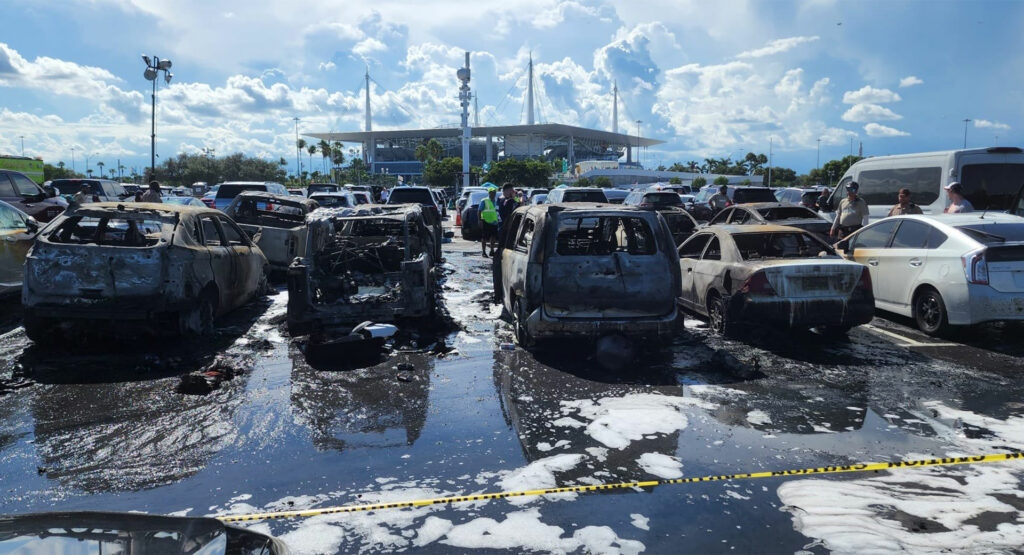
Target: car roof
763,228
757,205
977,217
158,206
281,198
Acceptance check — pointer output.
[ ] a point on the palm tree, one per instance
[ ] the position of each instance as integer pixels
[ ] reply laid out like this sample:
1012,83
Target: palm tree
325,154
60,165
311,149
100,164
89,171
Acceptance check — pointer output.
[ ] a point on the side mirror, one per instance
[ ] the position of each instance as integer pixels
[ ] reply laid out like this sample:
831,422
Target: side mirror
257,235
32,224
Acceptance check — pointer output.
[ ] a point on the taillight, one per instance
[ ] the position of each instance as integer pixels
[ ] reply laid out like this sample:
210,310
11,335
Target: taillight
757,284
975,267
270,207
864,284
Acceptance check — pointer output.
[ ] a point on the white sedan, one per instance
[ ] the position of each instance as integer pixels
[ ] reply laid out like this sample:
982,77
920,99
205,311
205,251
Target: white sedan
944,270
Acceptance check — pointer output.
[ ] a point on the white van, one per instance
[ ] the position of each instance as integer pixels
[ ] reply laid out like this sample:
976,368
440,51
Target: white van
990,177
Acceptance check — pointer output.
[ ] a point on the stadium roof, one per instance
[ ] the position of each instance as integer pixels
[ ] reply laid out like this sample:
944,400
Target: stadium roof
547,129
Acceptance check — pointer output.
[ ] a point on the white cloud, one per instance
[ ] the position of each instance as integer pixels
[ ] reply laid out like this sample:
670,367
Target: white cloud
984,123
326,66
876,130
368,46
910,81
869,112
555,15
870,95
776,46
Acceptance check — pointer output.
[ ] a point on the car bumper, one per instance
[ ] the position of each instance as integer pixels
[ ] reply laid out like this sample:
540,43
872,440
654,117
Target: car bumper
985,304
542,325
801,312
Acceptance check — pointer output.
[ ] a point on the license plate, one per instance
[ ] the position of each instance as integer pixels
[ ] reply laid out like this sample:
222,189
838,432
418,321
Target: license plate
816,283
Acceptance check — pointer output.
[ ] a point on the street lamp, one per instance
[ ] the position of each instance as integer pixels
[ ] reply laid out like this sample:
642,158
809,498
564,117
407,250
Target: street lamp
153,68
638,122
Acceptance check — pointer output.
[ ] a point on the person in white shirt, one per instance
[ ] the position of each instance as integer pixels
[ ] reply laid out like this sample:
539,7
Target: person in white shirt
958,204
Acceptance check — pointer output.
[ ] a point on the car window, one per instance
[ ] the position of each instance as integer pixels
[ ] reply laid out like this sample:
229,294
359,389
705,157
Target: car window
911,235
604,235
119,232
753,246
211,232
875,236
662,199
995,233
743,195
714,250
584,196
526,236
739,216
883,186
722,216
234,235
787,213
6,187
23,185
10,218
694,246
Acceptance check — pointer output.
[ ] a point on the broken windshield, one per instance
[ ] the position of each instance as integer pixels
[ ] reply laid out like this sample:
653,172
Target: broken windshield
596,236
114,232
754,246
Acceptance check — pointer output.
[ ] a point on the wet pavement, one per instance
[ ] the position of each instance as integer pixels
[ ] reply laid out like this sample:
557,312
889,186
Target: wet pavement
95,428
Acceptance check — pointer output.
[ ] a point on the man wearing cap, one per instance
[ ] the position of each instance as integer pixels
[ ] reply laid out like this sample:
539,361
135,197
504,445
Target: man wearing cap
958,204
488,221
904,206
852,214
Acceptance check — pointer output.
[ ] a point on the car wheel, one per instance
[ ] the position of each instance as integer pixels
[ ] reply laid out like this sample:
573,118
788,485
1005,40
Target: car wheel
718,316
519,315
930,312
199,319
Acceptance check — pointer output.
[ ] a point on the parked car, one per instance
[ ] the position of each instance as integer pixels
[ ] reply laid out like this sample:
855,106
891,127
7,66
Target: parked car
587,271
530,193
677,189
277,223
616,196
99,190
471,216
804,196
431,212
697,205
944,270
340,199
990,178
776,213
298,192
576,194
226,192
133,189
322,188
210,196
24,194
772,275
670,206
362,197
538,199
131,267
184,201
460,204
17,233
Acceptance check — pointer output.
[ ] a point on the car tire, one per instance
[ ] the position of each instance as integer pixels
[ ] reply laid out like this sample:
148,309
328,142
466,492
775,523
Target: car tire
718,316
523,337
930,312
198,320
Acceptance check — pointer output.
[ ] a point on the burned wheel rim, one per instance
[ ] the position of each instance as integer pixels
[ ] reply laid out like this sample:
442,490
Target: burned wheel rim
716,314
519,324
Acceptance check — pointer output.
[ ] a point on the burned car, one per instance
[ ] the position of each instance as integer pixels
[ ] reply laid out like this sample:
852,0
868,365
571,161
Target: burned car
772,275
588,270
373,262
280,221
138,266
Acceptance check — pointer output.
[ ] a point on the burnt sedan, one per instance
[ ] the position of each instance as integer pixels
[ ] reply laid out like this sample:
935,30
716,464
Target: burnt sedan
779,213
774,275
127,267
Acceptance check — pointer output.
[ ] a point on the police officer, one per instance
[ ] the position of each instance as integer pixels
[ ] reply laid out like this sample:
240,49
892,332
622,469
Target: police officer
852,213
488,221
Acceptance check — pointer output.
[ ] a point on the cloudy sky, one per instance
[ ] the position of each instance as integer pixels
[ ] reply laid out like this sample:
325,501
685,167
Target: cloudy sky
709,78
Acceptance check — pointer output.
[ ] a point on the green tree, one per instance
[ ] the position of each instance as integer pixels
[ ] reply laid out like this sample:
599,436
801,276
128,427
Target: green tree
675,181
57,172
443,173
745,182
100,164
584,182
311,149
521,173
698,182
833,170
721,180
325,155
429,151
603,182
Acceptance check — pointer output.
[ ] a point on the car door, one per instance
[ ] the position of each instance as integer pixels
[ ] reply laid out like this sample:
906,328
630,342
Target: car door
222,262
515,256
868,246
15,240
706,272
689,256
247,261
906,257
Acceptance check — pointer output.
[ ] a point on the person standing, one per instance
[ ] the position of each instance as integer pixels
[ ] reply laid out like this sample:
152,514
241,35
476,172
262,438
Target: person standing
153,194
958,204
719,200
384,195
489,218
904,207
507,204
852,213
821,203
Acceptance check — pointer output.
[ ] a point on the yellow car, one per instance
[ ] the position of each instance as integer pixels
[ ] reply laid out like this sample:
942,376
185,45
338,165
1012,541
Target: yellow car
17,233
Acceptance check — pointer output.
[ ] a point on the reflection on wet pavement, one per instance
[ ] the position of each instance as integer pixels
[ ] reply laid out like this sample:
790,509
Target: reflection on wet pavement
111,433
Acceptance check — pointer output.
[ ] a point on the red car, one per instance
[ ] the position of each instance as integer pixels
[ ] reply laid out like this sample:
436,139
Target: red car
21,192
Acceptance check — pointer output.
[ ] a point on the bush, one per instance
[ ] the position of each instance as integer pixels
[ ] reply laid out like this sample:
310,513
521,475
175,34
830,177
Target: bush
721,180
675,181
699,182
603,182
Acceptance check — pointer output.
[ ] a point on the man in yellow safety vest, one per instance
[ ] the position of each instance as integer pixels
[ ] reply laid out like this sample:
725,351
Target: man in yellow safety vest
488,221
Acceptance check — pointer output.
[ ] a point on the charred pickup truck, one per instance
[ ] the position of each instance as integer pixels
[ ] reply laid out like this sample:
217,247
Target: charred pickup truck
373,262
280,221
138,267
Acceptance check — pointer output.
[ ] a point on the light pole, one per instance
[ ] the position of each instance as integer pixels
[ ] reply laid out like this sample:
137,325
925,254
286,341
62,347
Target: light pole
153,68
298,169
817,157
22,137
770,161
966,121
72,160
638,122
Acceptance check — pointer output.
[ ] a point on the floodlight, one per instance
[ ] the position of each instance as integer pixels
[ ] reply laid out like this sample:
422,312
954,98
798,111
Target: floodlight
164,64
150,74
167,77
146,59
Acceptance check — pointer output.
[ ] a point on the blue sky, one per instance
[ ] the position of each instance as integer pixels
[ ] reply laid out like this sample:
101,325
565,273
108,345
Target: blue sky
709,78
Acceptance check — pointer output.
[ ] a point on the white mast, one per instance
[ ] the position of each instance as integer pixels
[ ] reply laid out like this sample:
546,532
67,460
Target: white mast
464,96
615,107
476,112
529,95
369,127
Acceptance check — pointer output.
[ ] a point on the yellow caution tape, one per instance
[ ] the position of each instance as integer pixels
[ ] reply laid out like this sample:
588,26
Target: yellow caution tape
864,467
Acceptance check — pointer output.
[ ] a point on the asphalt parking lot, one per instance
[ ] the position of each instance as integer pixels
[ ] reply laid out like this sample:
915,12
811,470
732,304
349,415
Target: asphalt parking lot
102,427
